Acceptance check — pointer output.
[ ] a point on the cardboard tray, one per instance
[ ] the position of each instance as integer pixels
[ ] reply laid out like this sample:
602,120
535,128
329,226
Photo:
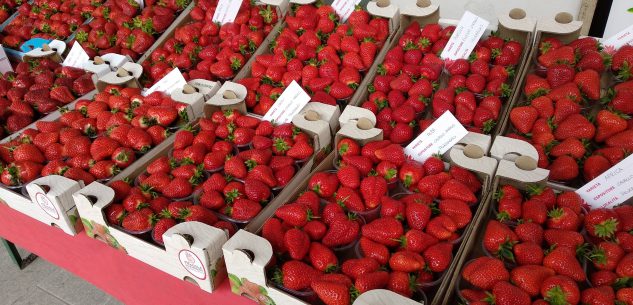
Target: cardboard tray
48,199
567,30
516,25
247,255
192,250
387,11
185,18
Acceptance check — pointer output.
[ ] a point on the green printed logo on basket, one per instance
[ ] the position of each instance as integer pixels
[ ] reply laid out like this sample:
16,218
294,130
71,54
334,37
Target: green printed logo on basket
246,288
102,233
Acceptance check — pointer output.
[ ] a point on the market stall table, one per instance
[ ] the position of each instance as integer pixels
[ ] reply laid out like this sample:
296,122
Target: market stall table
123,277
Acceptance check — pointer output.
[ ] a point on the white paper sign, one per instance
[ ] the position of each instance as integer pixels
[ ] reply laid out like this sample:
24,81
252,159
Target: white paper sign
445,132
5,65
77,57
141,3
344,8
226,11
618,40
611,188
172,81
289,103
466,35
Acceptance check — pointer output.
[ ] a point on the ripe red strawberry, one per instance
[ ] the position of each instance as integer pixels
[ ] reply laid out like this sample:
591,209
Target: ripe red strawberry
161,227
602,223
523,118
589,83
295,275
484,272
386,231
138,221
331,293
563,260
530,277
560,287
342,231
438,257
297,242
322,258
324,184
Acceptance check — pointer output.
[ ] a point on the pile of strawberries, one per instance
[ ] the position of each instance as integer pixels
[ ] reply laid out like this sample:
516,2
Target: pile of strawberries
7,8
120,26
402,243
622,63
36,88
576,136
94,140
537,251
203,49
406,80
325,57
481,83
55,19
229,165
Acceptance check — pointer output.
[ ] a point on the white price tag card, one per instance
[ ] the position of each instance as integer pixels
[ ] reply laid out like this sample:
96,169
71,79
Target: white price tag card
172,81
77,57
344,8
624,37
5,64
140,3
467,33
611,188
289,103
226,11
438,138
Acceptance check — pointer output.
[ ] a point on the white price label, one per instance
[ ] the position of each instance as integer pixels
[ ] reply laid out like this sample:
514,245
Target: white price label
438,138
77,57
465,37
618,40
226,11
172,81
289,103
344,8
5,64
611,188
140,3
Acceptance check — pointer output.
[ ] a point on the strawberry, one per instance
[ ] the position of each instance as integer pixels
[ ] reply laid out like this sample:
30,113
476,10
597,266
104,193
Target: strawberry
342,231
505,293
602,223
295,275
297,242
485,272
322,258
161,227
560,288
523,118
331,293
589,83
438,257
386,231
530,277
608,124
405,261
563,260
324,184
138,221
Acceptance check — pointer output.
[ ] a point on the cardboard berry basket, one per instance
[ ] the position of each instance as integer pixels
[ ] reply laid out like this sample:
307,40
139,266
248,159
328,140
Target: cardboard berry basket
248,255
514,25
567,31
192,250
387,11
517,168
185,18
48,199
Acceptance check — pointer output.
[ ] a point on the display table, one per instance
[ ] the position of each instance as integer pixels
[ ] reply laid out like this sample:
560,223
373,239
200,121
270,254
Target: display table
125,278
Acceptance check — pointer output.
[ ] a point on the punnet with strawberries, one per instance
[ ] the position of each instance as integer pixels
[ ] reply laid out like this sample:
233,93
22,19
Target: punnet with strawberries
36,88
122,27
224,170
8,8
204,49
94,140
414,85
48,19
379,221
547,247
326,57
571,110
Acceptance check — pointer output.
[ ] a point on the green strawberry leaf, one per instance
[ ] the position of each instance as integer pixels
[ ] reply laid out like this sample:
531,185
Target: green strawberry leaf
630,10
88,227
